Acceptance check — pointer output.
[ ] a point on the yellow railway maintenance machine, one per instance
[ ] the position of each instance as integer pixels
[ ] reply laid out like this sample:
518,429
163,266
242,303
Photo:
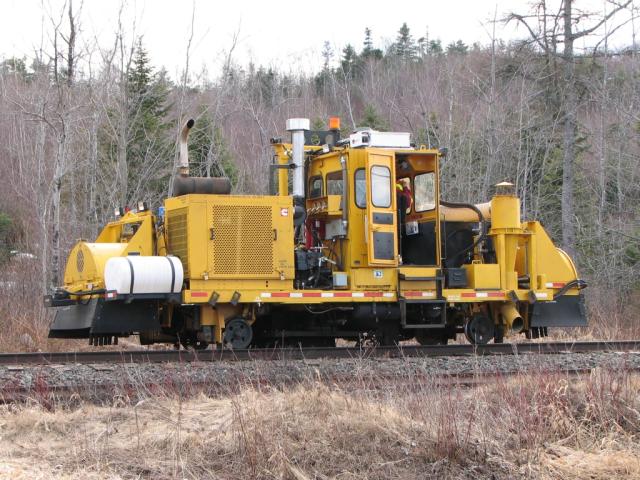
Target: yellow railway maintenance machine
362,248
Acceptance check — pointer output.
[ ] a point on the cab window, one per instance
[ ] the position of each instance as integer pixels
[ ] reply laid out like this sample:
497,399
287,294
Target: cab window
334,183
380,186
424,191
315,187
360,184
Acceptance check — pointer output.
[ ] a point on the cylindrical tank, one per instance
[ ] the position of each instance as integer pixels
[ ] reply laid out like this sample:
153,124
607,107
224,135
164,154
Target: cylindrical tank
183,185
505,212
144,274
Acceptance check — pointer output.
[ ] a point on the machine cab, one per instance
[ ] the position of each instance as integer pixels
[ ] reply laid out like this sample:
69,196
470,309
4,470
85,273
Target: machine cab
374,207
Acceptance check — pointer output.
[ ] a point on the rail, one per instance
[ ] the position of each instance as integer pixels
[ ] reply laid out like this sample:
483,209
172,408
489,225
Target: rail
164,356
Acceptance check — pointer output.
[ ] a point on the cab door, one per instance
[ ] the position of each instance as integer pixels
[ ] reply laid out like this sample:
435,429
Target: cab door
382,238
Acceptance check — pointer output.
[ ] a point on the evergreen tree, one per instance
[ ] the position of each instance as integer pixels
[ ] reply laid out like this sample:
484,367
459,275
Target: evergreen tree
327,56
209,154
6,236
324,76
147,107
457,47
434,47
405,47
349,61
14,66
368,50
372,119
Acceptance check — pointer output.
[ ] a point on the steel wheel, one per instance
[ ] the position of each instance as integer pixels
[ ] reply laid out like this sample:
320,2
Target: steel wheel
238,334
479,329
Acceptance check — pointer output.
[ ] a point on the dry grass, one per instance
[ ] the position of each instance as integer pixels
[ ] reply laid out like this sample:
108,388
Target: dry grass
540,426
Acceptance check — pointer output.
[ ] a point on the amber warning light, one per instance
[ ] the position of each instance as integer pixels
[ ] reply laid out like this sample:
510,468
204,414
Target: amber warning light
334,123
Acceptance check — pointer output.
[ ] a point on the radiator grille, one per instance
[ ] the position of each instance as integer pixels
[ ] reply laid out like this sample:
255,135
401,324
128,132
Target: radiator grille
242,240
177,237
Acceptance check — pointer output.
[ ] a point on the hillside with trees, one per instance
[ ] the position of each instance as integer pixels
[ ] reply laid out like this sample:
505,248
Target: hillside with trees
76,142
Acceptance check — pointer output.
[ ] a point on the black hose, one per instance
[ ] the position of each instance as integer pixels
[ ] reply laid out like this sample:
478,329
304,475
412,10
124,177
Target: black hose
579,284
83,292
483,230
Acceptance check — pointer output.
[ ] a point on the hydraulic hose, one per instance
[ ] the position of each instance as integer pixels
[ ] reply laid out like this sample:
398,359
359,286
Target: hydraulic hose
483,230
579,284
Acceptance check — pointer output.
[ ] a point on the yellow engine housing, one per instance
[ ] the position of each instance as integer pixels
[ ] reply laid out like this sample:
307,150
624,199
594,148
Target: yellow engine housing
228,237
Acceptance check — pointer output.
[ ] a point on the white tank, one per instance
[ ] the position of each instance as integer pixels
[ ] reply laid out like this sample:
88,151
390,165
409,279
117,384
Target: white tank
139,274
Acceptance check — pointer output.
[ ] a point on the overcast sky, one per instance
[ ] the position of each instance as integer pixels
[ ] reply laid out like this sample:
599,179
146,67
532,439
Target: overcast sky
287,34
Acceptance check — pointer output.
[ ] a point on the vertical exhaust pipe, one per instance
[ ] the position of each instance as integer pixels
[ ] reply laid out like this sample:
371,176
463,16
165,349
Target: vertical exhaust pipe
297,127
183,159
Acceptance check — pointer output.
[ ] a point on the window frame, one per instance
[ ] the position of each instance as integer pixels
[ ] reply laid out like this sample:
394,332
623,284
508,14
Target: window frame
389,190
313,179
355,189
338,176
415,200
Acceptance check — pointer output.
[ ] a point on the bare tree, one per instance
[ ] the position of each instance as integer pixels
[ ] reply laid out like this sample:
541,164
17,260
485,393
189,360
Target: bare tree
547,35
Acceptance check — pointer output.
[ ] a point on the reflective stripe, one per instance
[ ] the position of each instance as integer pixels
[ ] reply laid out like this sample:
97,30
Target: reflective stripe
330,294
482,294
419,294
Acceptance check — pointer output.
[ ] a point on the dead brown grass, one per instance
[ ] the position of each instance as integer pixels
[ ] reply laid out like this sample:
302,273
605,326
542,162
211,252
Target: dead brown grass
538,426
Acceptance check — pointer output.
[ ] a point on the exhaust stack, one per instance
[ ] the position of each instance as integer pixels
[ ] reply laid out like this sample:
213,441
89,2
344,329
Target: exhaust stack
297,127
183,161
183,184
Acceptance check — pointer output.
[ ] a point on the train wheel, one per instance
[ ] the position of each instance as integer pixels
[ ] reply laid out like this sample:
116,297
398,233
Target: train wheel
192,342
238,334
479,329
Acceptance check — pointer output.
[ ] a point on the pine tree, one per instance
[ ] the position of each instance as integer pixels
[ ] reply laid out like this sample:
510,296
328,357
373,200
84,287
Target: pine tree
372,119
147,107
6,236
368,50
434,47
457,47
209,154
405,47
349,60
327,55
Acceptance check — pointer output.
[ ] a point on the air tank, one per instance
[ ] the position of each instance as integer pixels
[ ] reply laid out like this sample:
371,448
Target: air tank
136,274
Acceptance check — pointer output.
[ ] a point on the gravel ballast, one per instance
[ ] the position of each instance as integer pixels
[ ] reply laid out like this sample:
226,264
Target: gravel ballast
106,380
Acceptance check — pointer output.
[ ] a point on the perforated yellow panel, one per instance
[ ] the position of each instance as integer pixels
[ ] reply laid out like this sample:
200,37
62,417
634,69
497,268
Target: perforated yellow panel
177,237
80,261
242,240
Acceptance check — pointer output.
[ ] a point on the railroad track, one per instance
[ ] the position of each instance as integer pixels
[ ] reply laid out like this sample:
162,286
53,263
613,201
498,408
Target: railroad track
164,356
